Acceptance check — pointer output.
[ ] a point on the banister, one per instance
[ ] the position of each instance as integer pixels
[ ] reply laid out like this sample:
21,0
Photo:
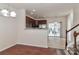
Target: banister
66,40
72,28
69,31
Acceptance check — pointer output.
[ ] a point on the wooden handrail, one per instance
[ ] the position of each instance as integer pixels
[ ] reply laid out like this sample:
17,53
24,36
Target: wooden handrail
69,31
66,40
72,28
75,34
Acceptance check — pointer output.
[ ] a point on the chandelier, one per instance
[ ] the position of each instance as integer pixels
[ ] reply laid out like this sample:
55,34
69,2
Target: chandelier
5,12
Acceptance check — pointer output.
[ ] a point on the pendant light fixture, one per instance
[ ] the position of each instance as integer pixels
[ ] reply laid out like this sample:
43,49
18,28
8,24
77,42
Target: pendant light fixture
13,14
8,12
5,12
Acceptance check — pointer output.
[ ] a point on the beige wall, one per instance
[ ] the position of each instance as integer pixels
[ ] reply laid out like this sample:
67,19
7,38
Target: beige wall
70,25
76,20
8,31
13,30
63,24
56,42
34,37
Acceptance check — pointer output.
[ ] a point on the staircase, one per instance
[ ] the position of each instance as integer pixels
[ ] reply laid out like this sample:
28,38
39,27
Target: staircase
74,49
71,51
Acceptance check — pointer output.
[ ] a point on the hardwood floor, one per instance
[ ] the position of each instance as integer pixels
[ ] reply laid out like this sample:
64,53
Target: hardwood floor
28,50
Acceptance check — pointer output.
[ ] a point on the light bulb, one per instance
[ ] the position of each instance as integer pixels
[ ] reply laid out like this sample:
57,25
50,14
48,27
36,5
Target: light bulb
5,12
13,14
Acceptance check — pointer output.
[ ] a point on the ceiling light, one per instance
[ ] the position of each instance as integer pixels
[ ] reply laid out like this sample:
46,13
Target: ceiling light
5,12
13,14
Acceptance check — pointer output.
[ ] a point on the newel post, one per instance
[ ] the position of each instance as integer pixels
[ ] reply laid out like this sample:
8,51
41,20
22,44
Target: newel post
66,40
75,44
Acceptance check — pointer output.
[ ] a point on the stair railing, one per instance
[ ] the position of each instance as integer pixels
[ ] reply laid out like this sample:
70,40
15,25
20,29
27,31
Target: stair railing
75,34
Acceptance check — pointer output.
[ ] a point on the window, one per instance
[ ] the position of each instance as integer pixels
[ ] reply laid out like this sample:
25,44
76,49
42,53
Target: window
54,29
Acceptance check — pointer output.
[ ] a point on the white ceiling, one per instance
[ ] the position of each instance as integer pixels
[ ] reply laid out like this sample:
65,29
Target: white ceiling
44,9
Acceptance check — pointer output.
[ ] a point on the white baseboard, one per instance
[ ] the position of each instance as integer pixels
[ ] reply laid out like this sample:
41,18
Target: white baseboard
22,44
33,45
7,47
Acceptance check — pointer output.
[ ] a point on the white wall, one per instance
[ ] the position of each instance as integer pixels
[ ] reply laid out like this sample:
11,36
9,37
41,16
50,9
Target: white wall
76,20
63,24
8,31
70,25
56,42
13,29
34,37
